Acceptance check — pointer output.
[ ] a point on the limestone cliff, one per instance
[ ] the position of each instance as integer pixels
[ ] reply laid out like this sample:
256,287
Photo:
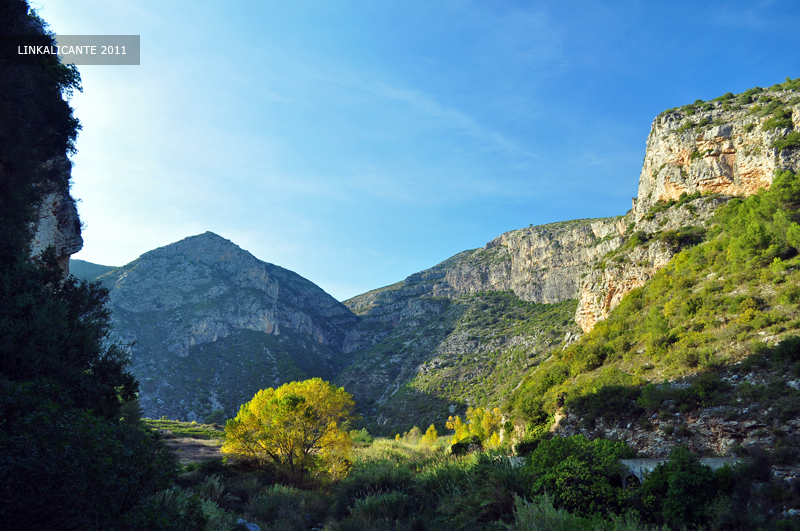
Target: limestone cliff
414,331
57,223
439,340
730,146
725,146
542,264
209,325
58,226
611,279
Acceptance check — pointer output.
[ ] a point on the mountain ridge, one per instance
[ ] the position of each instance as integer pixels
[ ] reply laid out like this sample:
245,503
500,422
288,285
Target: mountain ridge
205,299
430,344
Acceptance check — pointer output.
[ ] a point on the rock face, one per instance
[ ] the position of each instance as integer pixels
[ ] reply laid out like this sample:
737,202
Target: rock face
719,146
541,264
608,282
416,353
210,325
723,147
711,430
58,224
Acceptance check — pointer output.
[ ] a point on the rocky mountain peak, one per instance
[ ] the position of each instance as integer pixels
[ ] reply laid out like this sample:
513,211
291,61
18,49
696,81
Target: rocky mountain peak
205,307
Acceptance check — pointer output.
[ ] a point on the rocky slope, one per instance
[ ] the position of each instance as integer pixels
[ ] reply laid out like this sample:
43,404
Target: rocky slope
471,350
726,146
88,271
629,267
413,329
421,352
209,325
730,146
542,264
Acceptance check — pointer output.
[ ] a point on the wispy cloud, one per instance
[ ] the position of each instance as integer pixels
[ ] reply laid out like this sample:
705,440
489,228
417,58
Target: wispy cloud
450,117
750,15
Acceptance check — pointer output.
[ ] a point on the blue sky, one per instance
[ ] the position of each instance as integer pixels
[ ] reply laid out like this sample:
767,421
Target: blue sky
357,142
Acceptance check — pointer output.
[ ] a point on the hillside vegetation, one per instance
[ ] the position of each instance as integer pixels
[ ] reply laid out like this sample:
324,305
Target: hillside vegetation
473,352
726,306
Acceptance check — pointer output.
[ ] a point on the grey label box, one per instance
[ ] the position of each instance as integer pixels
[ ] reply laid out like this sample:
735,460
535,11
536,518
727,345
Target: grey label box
98,49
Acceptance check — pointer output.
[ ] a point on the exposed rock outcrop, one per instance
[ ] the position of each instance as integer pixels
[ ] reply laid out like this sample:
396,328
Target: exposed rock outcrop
716,430
722,147
539,264
604,286
730,153
58,226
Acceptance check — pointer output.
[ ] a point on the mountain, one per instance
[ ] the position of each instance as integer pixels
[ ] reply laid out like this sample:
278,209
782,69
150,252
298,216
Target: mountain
729,146
212,324
208,325
441,339
464,332
84,270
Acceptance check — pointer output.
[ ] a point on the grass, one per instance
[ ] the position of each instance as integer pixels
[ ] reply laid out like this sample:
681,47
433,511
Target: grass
191,430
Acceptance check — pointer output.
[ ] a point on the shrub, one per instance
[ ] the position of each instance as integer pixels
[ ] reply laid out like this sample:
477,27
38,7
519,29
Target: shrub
781,120
385,506
361,436
679,490
582,476
215,417
288,508
541,515
790,141
609,401
382,475
470,444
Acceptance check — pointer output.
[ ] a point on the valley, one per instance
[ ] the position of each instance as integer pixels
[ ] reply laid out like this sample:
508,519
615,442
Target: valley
208,324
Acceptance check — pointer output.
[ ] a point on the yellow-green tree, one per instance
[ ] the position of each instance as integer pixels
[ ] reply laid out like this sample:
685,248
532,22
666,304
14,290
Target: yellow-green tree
485,423
430,436
295,425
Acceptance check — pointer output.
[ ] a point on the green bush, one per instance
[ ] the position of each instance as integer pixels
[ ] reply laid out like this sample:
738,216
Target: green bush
609,401
288,508
64,468
790,141
584,477
215,417
383,475
465,446
680,490
361,436
541,515
390,506
781,120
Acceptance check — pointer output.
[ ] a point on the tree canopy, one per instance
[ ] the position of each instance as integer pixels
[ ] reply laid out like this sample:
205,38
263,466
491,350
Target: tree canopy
296,425
37,130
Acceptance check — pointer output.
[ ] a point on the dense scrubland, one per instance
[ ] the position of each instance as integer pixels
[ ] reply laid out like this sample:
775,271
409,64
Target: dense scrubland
415,482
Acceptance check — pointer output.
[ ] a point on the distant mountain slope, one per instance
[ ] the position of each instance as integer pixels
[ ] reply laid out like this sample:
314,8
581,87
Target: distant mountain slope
466,331
210,325
542,264
86,270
